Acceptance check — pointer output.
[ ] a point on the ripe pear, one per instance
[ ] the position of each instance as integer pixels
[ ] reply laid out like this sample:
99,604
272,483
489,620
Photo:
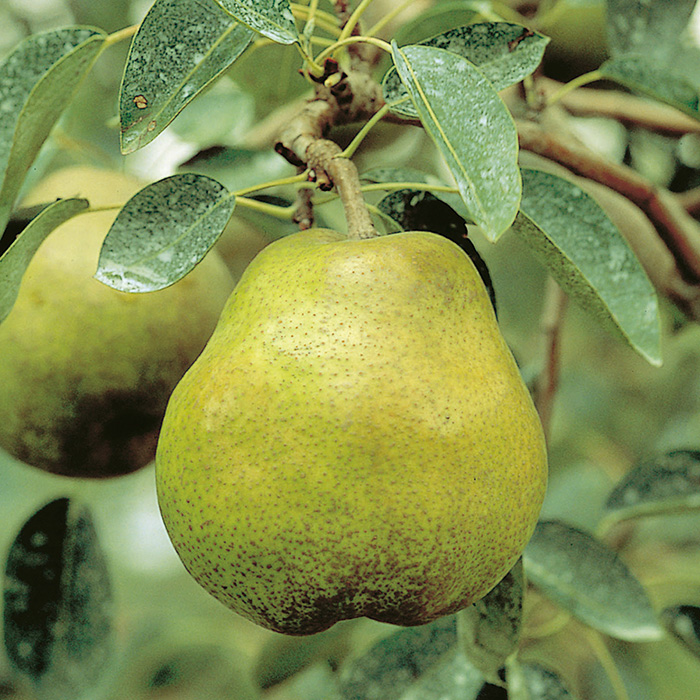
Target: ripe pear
355,439
86,370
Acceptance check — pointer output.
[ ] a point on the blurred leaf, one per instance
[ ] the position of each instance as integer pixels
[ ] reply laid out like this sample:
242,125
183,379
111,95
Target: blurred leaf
489,630
57,612
587,255
640,74
665,484
393,175
471,127
452,678
389,668
588,579
650,28
14,262
419,210
37,82
163,231
440,17
532,681
683,622
271,18
505,53
179,49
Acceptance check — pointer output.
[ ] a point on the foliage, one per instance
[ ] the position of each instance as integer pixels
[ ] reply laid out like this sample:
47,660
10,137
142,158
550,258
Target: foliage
436,103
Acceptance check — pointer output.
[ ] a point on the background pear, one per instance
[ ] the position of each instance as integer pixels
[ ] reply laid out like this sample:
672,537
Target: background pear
355,440
86,370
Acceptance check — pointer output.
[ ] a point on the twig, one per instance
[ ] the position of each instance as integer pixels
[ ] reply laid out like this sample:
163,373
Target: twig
547,382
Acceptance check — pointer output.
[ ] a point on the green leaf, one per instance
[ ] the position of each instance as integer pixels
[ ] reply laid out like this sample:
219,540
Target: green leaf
14,262
179,49
588,579
640,74
683,622
162,232
666,484
390,667
489,630
271,18
531,681
451,678
37,82
590,259
505,53
471,127
392,175
57,602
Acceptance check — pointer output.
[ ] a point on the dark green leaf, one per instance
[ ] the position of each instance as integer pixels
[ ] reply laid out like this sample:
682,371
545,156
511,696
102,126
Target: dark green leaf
37,81
641,74
505,53
532,681
665,484
590,259
57,602
588,579
440,17
271,18
683,622
18,256
390,667
471,127
489,630
163,231
452,678
179,49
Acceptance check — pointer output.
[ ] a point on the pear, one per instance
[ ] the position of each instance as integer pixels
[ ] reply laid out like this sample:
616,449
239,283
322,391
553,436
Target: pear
355,439
86,370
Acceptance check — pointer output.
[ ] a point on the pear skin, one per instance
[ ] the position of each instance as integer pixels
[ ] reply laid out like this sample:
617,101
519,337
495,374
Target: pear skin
355,439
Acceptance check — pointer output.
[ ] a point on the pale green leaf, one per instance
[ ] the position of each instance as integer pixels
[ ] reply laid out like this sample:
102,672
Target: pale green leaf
664,484
179,49
37,82
588,579
453,677
162,232
472,128
530,681
14,262
587,255
271,18
505,53
489,630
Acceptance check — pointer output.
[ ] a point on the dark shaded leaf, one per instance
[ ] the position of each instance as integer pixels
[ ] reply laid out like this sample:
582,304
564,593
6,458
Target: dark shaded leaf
37,81
179,49
271,18
452,678
489,630
665,484
14,262
505,53
471,127
389,668
441,17
590,259
57,602
588,579
683,622
163,231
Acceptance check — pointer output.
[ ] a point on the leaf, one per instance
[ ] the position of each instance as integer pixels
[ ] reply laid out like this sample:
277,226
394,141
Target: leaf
179,49
162,232
588,579
531,681
57,602
390,667
683,622
37,81
505,53
271,18
590,259
14,262
393,175
666,484
472,128
452,678
489,630
640,74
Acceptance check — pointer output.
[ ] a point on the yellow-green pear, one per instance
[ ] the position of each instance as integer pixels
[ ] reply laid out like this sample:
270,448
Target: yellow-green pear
355,439
86,371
